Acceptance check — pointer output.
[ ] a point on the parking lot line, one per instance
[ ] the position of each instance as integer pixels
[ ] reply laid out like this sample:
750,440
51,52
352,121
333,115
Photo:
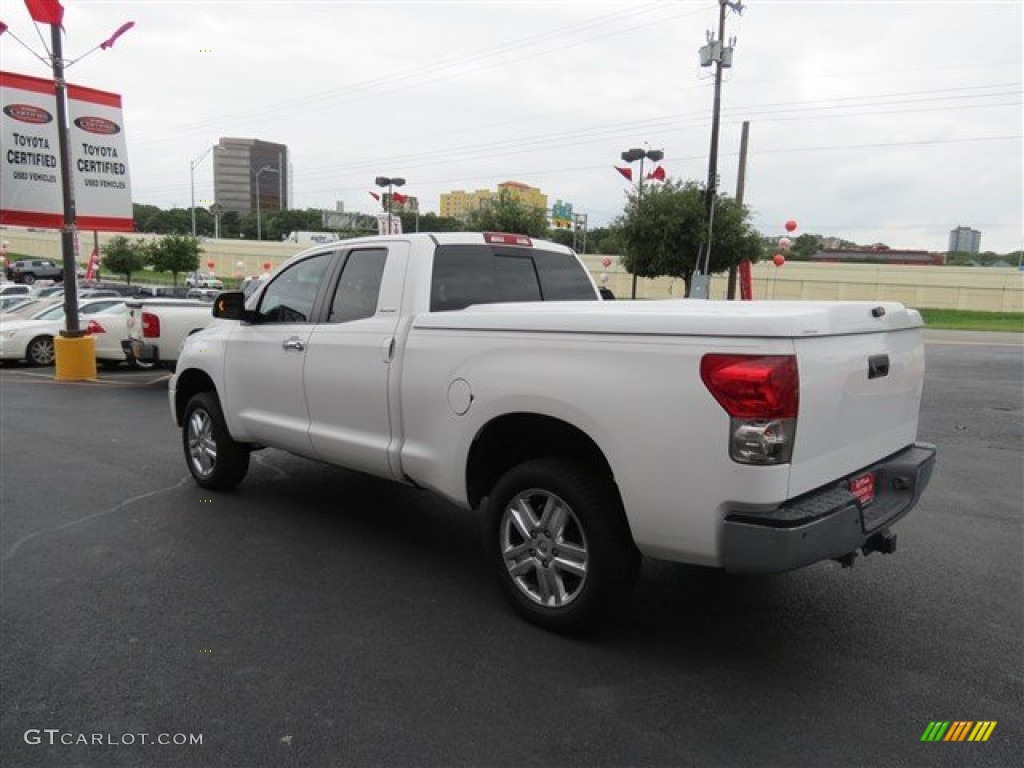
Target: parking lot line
127,381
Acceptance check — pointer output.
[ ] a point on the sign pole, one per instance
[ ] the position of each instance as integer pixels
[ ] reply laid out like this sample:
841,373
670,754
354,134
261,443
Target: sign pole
67,236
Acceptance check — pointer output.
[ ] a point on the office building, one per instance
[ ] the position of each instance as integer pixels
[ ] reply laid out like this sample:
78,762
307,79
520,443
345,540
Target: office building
245,168
459,204
964,240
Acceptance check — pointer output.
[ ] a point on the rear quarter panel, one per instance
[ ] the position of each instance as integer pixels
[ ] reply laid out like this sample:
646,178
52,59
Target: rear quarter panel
640,399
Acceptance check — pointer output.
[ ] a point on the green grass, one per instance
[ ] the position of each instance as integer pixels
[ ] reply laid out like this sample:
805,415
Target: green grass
967,320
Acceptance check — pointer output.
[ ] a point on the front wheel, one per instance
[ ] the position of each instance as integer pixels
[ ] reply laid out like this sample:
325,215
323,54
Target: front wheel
558,540
29,279
215,460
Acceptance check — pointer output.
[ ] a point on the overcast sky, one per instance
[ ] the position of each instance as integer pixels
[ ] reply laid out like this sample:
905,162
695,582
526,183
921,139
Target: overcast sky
874,121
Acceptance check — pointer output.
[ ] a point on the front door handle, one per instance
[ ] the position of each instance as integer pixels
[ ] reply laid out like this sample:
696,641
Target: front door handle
293,343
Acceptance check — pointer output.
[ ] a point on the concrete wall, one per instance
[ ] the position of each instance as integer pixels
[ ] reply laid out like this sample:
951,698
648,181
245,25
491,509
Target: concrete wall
987,289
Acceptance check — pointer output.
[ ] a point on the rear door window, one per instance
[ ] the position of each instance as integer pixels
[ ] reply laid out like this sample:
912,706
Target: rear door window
359,286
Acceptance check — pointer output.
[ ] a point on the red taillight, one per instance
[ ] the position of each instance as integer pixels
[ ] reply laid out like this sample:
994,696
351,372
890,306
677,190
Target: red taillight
150,325
761,394
753,386
94,327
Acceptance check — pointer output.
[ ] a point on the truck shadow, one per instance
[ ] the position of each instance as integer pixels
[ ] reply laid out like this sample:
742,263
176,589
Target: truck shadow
431,551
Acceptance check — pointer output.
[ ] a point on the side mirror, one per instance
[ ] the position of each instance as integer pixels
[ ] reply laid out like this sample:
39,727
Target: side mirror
230,305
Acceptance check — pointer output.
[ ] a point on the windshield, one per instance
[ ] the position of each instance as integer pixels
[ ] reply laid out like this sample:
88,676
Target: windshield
53,313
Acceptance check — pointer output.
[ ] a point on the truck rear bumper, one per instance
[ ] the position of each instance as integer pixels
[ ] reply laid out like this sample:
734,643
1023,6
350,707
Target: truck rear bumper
137,350
828,523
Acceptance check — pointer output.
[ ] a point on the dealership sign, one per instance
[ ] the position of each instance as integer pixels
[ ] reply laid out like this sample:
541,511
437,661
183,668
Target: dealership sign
30,172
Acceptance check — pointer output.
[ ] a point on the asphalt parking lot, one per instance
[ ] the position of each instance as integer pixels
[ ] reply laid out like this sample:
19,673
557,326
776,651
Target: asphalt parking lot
319,618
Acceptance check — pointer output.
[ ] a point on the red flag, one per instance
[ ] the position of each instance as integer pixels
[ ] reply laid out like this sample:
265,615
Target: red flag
627,172
45,11
399,198
93,266
374,195
109,42
3,27
658,174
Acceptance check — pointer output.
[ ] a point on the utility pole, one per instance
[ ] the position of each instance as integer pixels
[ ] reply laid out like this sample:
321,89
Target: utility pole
741,181
715,52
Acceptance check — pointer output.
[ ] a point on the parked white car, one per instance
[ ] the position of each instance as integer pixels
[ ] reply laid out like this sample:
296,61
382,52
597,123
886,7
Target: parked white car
16,289
10,302
32,339
199,280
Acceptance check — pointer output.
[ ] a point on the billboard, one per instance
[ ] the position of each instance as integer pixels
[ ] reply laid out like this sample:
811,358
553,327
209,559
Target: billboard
30,172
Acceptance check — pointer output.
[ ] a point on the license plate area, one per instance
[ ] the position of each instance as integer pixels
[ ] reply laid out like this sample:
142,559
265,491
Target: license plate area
863,487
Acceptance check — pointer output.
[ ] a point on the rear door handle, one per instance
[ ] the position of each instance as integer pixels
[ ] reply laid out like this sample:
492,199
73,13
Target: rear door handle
293,343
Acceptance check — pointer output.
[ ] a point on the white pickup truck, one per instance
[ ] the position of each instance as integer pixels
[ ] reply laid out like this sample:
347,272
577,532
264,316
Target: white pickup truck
749,436
157,327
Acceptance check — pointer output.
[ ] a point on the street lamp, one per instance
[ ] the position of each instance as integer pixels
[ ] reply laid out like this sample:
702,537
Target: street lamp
631,156
192,180
256,174
384,181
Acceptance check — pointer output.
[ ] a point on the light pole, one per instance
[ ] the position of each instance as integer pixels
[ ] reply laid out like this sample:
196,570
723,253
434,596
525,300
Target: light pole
631,156
389,182
256,174
192,182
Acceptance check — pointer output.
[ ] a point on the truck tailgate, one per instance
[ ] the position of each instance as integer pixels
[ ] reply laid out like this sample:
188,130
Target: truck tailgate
860,394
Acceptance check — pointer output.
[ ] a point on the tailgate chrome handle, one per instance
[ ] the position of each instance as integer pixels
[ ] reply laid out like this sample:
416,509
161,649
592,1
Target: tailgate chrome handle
878,366
293,343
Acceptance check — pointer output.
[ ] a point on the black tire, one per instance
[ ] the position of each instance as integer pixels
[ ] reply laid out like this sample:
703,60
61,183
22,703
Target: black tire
571,559
28,279
215,460
40,351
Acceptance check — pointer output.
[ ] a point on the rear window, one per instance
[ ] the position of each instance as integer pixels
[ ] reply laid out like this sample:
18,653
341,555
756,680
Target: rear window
488,274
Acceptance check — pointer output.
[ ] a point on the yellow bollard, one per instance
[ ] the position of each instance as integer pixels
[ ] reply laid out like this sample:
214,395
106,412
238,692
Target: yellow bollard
76,358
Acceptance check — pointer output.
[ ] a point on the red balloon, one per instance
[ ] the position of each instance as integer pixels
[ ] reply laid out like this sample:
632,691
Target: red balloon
266,266
790,226
211,264
778,259
606,262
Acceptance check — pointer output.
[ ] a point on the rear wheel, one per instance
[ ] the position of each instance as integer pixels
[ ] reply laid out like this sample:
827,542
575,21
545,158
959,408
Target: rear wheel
28,279
40,351
215,460
557,538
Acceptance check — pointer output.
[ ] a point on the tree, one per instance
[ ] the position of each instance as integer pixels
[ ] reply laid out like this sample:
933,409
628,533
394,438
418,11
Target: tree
431,222
804,247
508,214
175,254
122,257
666,231
278,224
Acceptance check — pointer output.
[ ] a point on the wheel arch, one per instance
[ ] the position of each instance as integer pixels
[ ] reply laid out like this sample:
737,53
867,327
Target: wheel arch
513,438
190,383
